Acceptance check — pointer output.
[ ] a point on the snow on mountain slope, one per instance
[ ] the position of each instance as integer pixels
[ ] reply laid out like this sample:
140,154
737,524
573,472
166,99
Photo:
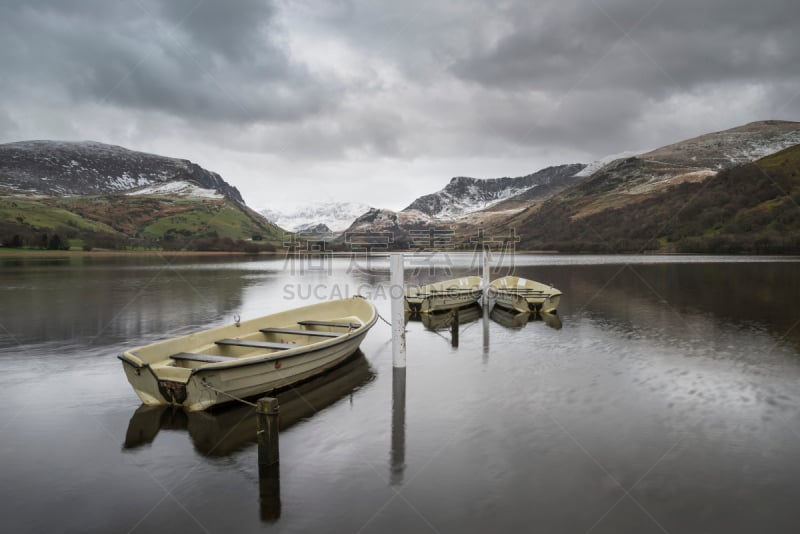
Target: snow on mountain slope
723,149
463,195
337,216
630,179
179,188
602,162
58,168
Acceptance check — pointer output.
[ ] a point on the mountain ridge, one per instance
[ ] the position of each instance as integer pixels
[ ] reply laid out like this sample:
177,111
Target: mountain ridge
464,195
92,194
57,168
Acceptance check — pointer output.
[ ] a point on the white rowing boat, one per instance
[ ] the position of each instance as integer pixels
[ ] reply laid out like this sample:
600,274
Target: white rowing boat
524,295
445,295
242,360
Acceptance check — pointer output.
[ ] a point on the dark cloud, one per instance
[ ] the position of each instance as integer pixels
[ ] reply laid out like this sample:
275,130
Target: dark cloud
193,59
234,30
654,47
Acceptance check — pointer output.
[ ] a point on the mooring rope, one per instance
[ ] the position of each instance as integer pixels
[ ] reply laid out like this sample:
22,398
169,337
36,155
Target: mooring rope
384,320
234,397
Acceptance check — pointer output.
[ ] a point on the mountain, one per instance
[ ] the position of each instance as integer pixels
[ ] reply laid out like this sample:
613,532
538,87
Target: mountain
57,168
596,165
749,207
91,194
465,205
392,228
337,216
314,229
624,180
700,194
464,195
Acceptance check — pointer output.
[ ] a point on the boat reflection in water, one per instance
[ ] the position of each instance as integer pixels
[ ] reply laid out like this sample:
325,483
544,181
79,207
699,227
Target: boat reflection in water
443,320
514,319
231,428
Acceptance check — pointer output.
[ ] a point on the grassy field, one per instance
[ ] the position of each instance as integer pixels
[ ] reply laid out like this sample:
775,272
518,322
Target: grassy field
121,222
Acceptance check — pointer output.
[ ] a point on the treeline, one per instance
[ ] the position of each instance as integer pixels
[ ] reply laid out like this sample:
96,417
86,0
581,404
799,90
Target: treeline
42,241
752,209
54,241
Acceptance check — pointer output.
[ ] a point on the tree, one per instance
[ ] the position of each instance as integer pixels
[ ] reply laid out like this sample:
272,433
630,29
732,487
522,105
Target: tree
56,243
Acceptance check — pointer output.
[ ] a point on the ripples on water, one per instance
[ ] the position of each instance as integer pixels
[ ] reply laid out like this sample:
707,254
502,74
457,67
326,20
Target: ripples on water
672,379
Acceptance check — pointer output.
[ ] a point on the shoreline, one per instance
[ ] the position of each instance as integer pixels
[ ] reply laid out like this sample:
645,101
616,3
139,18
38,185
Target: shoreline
27,253
38,253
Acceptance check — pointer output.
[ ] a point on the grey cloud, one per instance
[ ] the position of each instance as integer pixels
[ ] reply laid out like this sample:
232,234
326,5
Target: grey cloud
232,29
655,48
317,84
203,60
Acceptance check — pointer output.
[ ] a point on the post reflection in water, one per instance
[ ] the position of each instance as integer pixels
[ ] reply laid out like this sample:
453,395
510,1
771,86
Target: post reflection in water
485,333
230,429
398,453
269,492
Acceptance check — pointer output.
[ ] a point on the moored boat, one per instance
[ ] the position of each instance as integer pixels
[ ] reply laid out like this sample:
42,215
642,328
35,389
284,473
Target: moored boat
524,295
245,359
445,295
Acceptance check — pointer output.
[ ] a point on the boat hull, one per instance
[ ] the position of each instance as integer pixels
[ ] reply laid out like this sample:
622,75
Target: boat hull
524,295
159,381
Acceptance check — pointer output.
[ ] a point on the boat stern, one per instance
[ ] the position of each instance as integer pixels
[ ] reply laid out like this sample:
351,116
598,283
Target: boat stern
166,385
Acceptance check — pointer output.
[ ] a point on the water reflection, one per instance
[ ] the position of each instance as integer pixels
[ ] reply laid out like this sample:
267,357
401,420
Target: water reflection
649,356
224,431
513,319
444,320
229,429
398,452
115,302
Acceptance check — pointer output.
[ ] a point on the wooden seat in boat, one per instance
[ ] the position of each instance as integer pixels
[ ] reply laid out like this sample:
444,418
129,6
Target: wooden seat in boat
299,332
256,344
205,358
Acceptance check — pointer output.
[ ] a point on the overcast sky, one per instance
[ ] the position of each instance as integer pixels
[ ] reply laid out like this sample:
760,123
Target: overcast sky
383,101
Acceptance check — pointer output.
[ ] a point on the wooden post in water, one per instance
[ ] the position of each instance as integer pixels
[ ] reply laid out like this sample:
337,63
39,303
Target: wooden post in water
396,292
454,329
268,452
269,474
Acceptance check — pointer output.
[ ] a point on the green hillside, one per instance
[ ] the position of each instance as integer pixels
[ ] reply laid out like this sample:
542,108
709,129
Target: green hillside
751,208
121,221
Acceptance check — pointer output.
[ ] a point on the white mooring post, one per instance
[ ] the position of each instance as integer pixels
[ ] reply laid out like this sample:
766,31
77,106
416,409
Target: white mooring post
396,291
485,277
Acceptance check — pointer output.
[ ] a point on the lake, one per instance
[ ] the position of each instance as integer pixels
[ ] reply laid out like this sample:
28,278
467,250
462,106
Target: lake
662,398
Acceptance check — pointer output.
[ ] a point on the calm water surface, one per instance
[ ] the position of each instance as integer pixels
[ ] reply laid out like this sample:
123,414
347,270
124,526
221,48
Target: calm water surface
663,398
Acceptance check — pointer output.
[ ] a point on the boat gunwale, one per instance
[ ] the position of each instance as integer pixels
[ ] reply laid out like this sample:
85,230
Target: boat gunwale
256,359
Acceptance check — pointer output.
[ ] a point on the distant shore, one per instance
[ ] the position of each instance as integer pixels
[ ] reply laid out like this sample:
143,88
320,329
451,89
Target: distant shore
28,253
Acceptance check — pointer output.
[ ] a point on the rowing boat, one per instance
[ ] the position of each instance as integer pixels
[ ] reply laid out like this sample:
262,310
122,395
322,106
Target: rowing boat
445,295
250,358
524,295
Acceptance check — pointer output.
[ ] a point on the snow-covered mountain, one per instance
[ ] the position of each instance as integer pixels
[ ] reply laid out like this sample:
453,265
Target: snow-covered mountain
463,195
693,160
596,165
723,149
59,168
337,216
